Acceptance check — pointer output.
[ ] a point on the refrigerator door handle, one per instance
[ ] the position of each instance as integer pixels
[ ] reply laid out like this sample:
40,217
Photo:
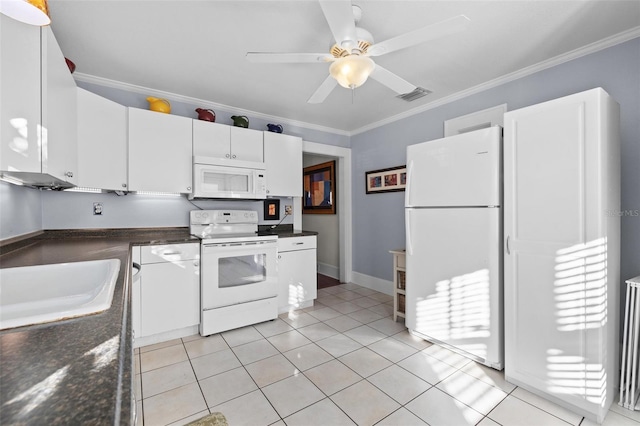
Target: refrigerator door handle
407,200
507,245
409,248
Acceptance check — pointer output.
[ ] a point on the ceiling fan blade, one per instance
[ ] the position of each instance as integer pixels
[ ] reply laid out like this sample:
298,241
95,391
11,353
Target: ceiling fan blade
430,32
274,58
391,80
339,15
323,91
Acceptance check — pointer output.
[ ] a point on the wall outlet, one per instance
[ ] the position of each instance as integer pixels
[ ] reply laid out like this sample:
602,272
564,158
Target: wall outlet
288,210
97,208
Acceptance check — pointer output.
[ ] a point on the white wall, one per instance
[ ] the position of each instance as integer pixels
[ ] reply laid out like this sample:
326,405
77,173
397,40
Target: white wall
74,210
20,210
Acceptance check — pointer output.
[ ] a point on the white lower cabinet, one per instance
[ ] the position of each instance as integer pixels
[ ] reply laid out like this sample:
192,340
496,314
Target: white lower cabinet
297,277
166,293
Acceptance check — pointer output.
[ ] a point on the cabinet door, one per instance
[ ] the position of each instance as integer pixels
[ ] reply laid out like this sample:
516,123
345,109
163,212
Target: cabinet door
246,144
211,140
283,160
553,278
59,113
136,293
102,142
19,96
170,296
160,153
297,277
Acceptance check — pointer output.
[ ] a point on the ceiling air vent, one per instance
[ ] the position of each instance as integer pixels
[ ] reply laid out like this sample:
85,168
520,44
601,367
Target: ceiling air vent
417,93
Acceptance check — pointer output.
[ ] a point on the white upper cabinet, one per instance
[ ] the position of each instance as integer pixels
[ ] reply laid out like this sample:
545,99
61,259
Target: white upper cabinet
102,142
160,152
19,96
211,139
228,143
38,98
59,113
283,160
246,144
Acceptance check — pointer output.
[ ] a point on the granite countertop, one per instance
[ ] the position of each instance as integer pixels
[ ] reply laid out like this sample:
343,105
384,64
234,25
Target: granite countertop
283,231
76,371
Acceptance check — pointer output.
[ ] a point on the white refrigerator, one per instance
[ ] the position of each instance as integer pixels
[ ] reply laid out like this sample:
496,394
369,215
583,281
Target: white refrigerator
453,220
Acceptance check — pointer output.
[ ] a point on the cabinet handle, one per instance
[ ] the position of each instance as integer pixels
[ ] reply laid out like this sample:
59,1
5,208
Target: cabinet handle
69,174
279,256
507,246
227,155
298,244
267,191
171,253
233,156
124,185
188,188
196,263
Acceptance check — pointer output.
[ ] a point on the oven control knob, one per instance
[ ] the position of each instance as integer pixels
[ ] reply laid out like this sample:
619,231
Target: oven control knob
205,215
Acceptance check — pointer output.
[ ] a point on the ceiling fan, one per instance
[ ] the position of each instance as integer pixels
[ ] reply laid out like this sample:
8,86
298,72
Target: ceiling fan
350,57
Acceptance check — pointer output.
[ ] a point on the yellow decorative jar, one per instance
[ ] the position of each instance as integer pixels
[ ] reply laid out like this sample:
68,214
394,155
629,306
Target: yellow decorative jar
159,105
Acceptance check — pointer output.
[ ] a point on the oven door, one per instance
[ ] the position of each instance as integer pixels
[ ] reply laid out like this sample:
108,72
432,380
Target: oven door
238,272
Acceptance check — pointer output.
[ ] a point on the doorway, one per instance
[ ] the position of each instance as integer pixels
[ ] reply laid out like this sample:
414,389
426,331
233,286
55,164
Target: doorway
336,258
327,227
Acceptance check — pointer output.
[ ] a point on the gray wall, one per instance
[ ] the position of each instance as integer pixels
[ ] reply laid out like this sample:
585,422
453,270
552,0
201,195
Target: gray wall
326,225
378,220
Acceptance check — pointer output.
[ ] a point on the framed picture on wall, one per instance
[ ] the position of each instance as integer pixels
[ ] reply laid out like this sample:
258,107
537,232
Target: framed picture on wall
319,185
386,180
272,209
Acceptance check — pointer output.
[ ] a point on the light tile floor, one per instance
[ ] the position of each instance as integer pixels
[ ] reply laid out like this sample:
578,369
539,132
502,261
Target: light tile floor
343,361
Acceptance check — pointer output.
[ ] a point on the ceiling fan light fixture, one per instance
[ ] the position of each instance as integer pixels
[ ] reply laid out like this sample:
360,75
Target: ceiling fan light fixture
32,12
352,71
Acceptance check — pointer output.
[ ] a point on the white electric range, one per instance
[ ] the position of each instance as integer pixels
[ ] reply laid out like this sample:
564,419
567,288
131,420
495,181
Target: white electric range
238,270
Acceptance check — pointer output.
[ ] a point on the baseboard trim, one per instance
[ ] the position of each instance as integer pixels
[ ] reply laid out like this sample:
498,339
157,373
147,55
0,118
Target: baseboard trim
165,337
329,270
377,284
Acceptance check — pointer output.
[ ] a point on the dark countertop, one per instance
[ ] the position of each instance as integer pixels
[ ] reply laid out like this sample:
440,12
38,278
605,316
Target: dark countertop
76,371
283,231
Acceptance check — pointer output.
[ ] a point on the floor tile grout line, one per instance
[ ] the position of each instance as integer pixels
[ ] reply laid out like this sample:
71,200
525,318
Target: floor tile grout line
542,409
196,377
496,406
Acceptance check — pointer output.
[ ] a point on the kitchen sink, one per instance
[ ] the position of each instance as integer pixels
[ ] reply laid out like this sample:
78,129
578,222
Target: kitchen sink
45,293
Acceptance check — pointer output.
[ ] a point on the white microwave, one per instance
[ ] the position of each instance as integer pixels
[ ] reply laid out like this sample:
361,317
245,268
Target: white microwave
222,181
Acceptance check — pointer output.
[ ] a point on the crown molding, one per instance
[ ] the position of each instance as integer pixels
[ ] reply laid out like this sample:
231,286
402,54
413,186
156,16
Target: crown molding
560,59
147,91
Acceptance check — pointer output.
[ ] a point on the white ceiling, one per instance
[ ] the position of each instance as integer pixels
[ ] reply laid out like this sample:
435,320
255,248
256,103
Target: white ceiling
197,48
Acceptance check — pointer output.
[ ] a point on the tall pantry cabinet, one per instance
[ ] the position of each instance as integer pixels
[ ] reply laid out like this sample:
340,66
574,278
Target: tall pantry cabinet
562,239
